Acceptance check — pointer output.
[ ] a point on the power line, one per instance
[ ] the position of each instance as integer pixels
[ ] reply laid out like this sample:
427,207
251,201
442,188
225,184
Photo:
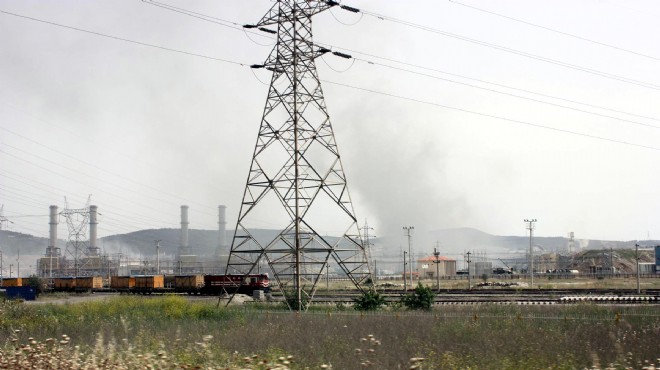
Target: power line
611,76
448,34
509,94
554,30
492,116
204,17
211,19
491,83
123,39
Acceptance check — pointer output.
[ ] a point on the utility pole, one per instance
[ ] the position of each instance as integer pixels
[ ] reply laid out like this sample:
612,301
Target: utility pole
530,227
639,291
469,272
408,232
436,253
405,279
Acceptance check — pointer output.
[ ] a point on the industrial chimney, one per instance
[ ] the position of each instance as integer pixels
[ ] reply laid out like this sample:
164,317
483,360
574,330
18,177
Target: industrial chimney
93,250
52,241
222,230
184,249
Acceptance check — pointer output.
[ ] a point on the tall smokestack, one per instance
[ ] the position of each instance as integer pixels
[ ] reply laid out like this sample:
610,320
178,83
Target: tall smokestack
50,251
93,213
222,230
185,248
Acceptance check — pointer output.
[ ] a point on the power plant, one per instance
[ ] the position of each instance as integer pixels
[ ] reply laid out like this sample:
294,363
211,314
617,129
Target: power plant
83,256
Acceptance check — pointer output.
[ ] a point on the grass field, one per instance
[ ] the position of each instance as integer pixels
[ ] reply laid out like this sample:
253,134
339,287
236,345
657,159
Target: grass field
173,333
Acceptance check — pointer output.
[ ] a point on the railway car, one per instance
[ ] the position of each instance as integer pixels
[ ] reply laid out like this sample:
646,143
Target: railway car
149,284
122,283
64,284
191,284
246,284
89,282
12,282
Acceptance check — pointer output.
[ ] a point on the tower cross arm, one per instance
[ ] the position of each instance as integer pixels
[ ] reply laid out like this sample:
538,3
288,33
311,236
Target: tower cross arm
310,8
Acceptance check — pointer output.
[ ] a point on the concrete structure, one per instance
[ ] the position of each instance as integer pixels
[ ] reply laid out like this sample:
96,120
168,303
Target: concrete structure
427,267
93,250
184,248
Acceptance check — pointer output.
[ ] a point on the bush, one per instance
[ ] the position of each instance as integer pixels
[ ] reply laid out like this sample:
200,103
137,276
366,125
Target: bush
292,301
369,301
421,299
40,285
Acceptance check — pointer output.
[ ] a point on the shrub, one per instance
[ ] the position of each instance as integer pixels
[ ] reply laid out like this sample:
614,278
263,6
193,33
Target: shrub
291,301
420,299
369,301
37,283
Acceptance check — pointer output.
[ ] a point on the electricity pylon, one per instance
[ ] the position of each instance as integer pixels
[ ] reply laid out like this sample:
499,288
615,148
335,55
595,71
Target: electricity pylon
78,241
296,180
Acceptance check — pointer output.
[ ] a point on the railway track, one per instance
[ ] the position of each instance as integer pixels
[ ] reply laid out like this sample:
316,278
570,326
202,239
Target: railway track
512,297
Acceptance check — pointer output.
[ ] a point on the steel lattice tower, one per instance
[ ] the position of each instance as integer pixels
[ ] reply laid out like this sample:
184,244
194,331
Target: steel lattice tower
296,180
77,244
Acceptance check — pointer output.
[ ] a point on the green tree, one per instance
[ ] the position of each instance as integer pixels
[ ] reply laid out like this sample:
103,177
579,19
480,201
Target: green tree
38,283
421,299
369,301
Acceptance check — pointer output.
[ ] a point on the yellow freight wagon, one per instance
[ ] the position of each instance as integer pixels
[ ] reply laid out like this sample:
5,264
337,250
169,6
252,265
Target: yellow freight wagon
64,283
12,282
89,282
122,282
150,282
188,283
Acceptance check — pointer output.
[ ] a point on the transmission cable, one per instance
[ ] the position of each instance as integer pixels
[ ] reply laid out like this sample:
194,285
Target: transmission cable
554,30
492,116
611,76
124,39
344,23
510,94
201,16
211,19
483,81
348,86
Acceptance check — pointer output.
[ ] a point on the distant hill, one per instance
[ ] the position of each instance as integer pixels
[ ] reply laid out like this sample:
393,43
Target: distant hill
204,242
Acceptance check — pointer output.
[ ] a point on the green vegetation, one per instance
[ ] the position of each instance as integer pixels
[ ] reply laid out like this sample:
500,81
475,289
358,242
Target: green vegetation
173,332
369,301
420,299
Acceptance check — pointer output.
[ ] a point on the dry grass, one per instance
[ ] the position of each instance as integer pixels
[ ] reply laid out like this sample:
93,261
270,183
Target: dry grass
172,333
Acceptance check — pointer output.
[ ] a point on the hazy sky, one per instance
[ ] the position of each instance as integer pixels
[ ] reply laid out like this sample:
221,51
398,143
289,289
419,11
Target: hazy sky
465,113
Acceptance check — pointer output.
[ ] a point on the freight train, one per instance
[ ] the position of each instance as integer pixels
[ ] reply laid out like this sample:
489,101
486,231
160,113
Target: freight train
150,284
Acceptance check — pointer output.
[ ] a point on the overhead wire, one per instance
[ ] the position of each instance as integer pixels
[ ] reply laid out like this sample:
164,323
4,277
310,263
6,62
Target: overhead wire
482,81
201,16
510,94
89,164
424,102
208,18
76,171
344,23
553,30
123,39
493,116
354,87
592,71
463,38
